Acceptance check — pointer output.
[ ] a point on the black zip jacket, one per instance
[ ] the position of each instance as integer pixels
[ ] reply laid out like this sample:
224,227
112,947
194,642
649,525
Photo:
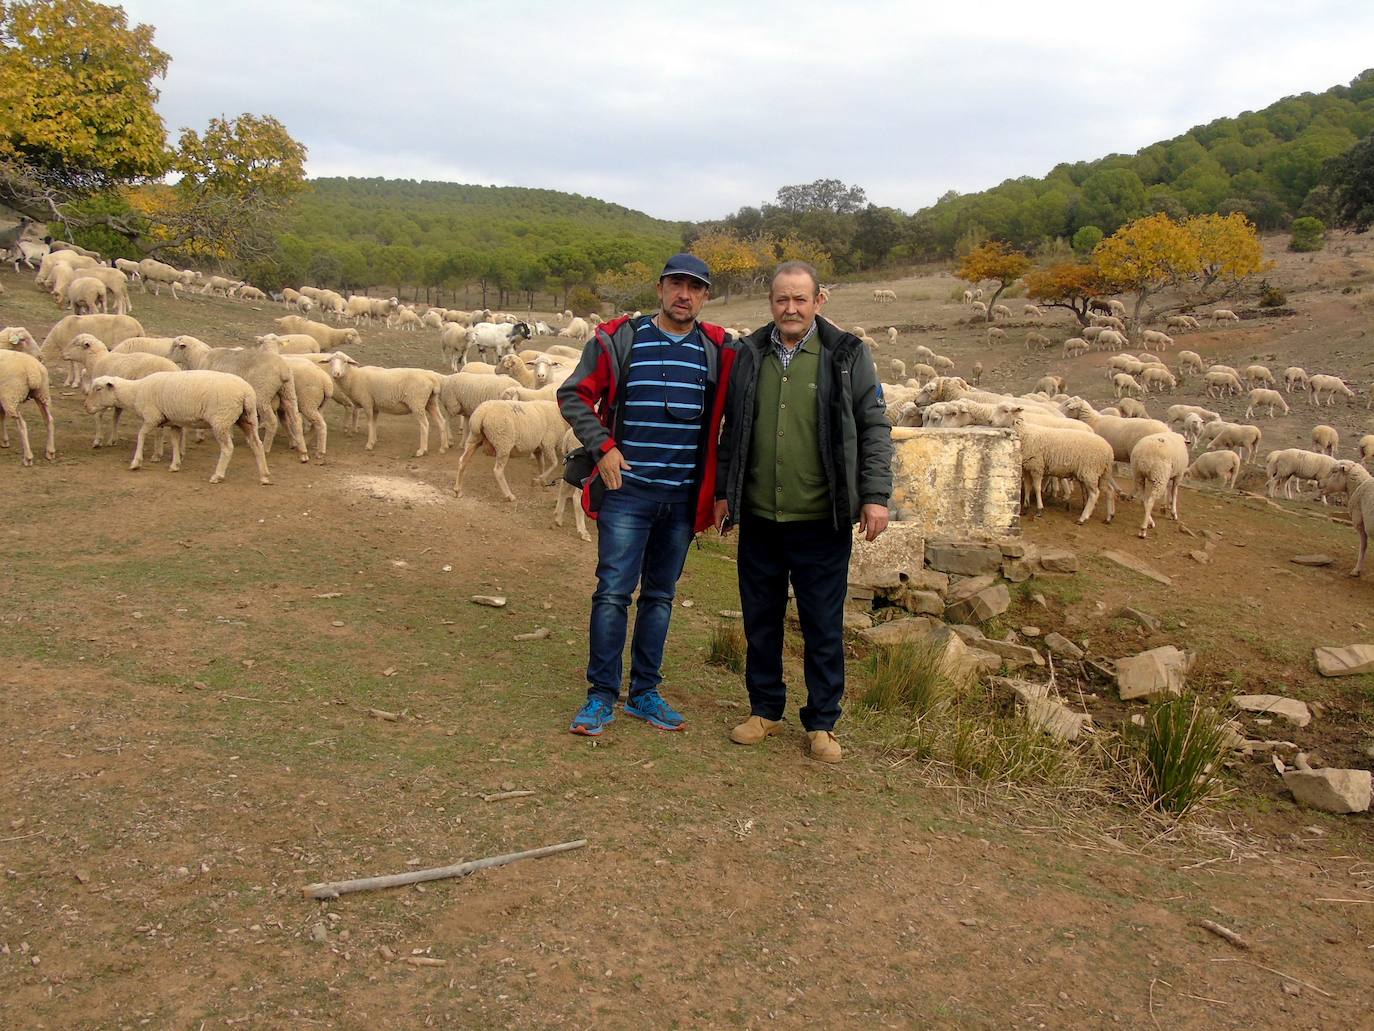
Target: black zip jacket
855,434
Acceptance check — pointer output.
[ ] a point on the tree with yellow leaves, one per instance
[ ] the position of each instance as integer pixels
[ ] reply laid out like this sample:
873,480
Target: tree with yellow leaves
1069,285
993,261
732,260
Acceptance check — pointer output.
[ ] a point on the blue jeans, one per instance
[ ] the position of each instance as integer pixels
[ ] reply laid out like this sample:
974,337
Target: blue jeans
641,543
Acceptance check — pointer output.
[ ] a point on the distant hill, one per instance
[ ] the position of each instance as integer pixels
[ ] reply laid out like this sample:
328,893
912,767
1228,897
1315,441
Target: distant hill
365,232
1264,163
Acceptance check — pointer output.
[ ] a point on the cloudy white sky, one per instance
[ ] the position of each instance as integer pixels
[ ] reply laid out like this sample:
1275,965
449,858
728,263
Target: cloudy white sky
688,111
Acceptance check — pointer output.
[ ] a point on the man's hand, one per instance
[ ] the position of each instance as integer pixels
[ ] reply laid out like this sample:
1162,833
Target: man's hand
722,514
872,521
610,465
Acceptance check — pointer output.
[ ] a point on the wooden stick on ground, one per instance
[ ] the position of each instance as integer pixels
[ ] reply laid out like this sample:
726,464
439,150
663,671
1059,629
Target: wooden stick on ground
1223,932
501,796
333,889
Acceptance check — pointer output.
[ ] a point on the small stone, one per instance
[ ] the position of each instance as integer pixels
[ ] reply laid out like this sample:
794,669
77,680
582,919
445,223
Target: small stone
968,921
1017,570
1062,646
1289,988
687,603
1039,599
319,934
1343,662
386,953
249,663
1153,673
922,603
336,622
1146,620
1135,565
730,614
495,601
446,569
986,604
1291,709
1012,548
1331,790
1312,560
1200,557
1030,631
537,634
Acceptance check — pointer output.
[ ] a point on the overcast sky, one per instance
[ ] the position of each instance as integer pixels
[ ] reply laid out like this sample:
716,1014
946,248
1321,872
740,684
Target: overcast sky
691,110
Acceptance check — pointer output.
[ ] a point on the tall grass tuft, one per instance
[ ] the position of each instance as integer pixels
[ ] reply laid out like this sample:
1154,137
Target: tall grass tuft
1179,749
911,679
726,647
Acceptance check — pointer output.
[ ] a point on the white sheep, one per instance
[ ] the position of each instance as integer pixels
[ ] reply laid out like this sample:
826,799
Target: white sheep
1161,341
1157,376
1075,346
273,385
577,329
1355,481
1108,322
86,295
1191,361
404,318
160,346
110,328
433,319
291,343
1124,383
979,307
330,339
97,360
891,334
1294,377
1001,311
1331,385
489,341
1111,338
1177,413
1261,397
1220,383
968,296
1216,465
1037,340
1245,439
314,386
1122,433
1050,384
1158,463
251,293
1326,439
1285,467
396,392
1180,322
453,343
219,286
199,399
1192,426
55,261
23,378
151,271
513,427
1367,447
1132,409
567,492
897,368
116,286
996,333
1091,333
304,305
923,373
1030,311
1061,453
1224,315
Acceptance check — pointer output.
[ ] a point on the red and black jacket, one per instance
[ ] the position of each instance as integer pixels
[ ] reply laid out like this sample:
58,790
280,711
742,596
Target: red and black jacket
589,400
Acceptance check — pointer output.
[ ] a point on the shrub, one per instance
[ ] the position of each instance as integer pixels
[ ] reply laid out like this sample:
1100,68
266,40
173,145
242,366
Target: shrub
1309,234
583,301
1271,296
726,647
1086,239
1178,751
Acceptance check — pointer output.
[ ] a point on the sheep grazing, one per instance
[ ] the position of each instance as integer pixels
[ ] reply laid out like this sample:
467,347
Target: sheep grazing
1358,485
23,378
1001,311
996,333
1190,361
1062,453
109,328
1330,385
55,262
290,343
884,296
1158,463
1326,439
1259,376
1367,447
1216,465
1294,377
267,373
1037,340
1177,413
1050,385
1110,338
433,319
1075,346
1221,383
218,286
897,368
577,329
330,339
1108,322
396,392
891,334
86,295
1124,383
1160,341
976,376
1157,376
1283,468
1030,311
514,427
979,307
1261,397
1180,322
1225,315
187,400
1091,333
1132,409
1243,438
151,271
251,293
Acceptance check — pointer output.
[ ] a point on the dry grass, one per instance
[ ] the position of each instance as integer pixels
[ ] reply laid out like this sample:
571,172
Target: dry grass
726,647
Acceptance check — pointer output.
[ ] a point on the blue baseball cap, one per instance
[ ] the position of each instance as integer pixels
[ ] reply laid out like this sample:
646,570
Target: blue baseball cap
686,265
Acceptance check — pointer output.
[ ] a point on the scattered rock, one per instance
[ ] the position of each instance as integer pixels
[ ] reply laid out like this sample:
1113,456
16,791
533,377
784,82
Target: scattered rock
1014,548
1294,711
1056,719
687,603
1136,565
537,634
1014,656
1331,790
1018,570
319,934
1146,620
1030,631
1057,560
1312,560
895,631
968,587
1062,646
495,601
965,559
986,604
1039,599
730,614
857,619
1153,673
1342,662
922,603
1200,557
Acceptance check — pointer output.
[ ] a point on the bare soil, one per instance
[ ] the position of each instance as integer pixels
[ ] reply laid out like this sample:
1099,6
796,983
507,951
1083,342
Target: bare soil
192,672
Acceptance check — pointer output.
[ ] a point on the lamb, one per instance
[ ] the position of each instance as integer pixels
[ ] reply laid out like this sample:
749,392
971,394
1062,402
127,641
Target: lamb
491,341
513,427
1216,465
1001,311
1224,315
1332,385
897,368
291,343
1061,453
1192,426
1125,383
330,339
514,366
1260,397
1284,467
1366,447
115,282
273,385
1075,346
1294,376
96,360
108,328
1030,311
1355,481
1050,384
1244,438
251,293
150,270
1037,340
1190,361
23,378
1326,438
1158,463
197,399
314,386
219,286
891,334
1156,375
567,492
1121,433
404,318
1162,341
576,329
453,343
1132,409
1219,383
395,391
86,296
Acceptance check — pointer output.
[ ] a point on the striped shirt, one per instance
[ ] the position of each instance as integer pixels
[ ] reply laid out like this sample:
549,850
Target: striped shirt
665,405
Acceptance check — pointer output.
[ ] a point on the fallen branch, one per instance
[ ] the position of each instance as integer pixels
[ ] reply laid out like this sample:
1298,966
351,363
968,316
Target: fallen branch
333,889
1223,932
501,796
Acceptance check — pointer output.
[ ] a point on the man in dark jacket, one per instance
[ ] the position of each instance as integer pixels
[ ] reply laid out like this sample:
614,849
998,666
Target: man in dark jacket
646,402
805,453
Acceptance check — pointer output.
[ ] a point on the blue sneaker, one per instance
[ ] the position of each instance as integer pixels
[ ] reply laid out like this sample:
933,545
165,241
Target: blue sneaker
652,709
592,718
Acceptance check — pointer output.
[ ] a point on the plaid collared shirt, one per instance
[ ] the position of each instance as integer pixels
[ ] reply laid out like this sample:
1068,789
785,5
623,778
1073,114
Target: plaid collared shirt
786,354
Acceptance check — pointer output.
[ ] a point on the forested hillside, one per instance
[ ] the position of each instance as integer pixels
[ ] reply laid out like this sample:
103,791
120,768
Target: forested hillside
366,232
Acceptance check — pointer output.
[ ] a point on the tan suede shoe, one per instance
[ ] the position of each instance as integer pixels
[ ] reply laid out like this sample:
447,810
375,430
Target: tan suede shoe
824,747
754,731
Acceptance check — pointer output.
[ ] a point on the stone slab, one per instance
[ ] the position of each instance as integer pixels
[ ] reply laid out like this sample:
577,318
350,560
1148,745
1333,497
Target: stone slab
1344,662
986,604
1331,790
897,631
957,483
1136,565
1062,646
1153,674
965,559
1291,709
1312,560
1057,560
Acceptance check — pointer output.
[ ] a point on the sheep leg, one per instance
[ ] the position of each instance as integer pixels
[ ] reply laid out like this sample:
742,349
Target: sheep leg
1364,547
499,471
4,429
371,428
321,433
113,437
226,450
17,416
1037,481
1171,497
175,467
1090,492
291,411
138,446
1149,507
268,421
422,417
250,432
437,414
471,449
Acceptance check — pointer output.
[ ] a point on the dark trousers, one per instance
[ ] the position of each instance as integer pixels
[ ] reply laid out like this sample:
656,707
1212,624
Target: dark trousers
815,556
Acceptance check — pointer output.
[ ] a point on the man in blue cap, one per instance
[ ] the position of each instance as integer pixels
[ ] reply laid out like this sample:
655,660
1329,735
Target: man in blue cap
646,401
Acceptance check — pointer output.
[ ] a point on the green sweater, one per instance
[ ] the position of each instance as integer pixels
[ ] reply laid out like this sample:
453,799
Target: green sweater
785,479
